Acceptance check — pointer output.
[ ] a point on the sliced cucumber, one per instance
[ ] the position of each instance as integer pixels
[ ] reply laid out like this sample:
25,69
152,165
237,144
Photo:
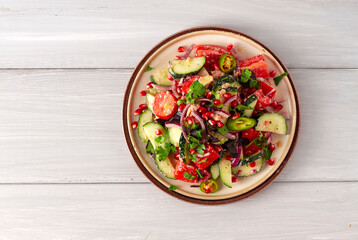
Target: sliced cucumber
161,78
222,139
225,172
214,171
251,158
251,102
150,101
229,81
175,133
182,68
145,117
165,166
272,122
247,170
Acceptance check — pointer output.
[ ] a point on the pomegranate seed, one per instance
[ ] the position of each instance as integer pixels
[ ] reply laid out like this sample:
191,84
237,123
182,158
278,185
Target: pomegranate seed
181,107
209,95
134,125
176,58
237,115
271,162
234,103
252,164
229,47
272,147
137,112
229,158
143,93
202,110
192,151
207,190
212,122
274,104
216,67
143,106
273,73
227,95
254,112
204,116
210,114
149,85
278,107
220,124
181,49
217,102
176,156
158,131
234,179
189,120
171,78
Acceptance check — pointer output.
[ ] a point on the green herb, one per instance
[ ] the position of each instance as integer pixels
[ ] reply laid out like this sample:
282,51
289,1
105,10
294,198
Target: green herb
278,79
246,76
261,142
241,108
160,139
180,101
162,153
263,50
193,142
268,154
148,69
231,89
202,161
188,176
195,91
150,148
224,130
199,173
216,95
200,149
173,188
199,133
191,126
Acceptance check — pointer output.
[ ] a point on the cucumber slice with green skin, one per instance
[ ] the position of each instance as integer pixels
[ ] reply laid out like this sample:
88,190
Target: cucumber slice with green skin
225,172
227,79
175,133
248,113
272,122
214,171
161,78
183,150
145,117
222,139
189,66
164,166
251,158
247,170
240,124
250,99
150,101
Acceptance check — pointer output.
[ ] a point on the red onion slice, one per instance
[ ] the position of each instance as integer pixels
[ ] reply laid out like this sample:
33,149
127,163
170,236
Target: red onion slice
171,124
174,90
230,136
187,53
164,88
230,100
237,160
222,113
202,123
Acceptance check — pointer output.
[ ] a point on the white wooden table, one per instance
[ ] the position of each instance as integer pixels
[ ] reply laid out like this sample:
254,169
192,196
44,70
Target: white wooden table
65,171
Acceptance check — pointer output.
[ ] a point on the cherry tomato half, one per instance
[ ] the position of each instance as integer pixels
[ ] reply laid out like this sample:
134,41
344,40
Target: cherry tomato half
165,105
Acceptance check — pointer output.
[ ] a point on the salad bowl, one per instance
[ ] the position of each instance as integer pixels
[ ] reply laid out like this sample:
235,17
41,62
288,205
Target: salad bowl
246,47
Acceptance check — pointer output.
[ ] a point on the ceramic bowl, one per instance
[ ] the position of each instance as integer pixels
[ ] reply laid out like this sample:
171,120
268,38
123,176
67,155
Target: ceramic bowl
246,47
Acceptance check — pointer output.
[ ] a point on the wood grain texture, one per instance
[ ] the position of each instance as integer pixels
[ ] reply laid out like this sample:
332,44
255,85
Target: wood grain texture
141,211
65,126
116,34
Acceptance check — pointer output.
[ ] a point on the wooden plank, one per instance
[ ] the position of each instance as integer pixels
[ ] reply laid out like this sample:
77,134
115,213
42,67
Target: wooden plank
117,34
141,211
66,126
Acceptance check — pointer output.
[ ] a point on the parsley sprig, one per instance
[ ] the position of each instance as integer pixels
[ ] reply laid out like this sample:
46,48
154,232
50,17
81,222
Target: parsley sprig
278,79
196,90
247,75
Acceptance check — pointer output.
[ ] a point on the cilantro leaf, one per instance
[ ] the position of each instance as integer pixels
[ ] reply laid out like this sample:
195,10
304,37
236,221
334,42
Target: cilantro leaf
162,153
193,142
150,148
160,139
255,84
202,161
245,75
278,79
268,154
173,188
148,69
224,130
200,149
188,176
198,133
199,173
195,91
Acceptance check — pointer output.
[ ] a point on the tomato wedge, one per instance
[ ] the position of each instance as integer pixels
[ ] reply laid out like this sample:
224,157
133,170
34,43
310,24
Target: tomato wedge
267,90
250,134
186,173
262,100
187,82
165,105
212,155
257,65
